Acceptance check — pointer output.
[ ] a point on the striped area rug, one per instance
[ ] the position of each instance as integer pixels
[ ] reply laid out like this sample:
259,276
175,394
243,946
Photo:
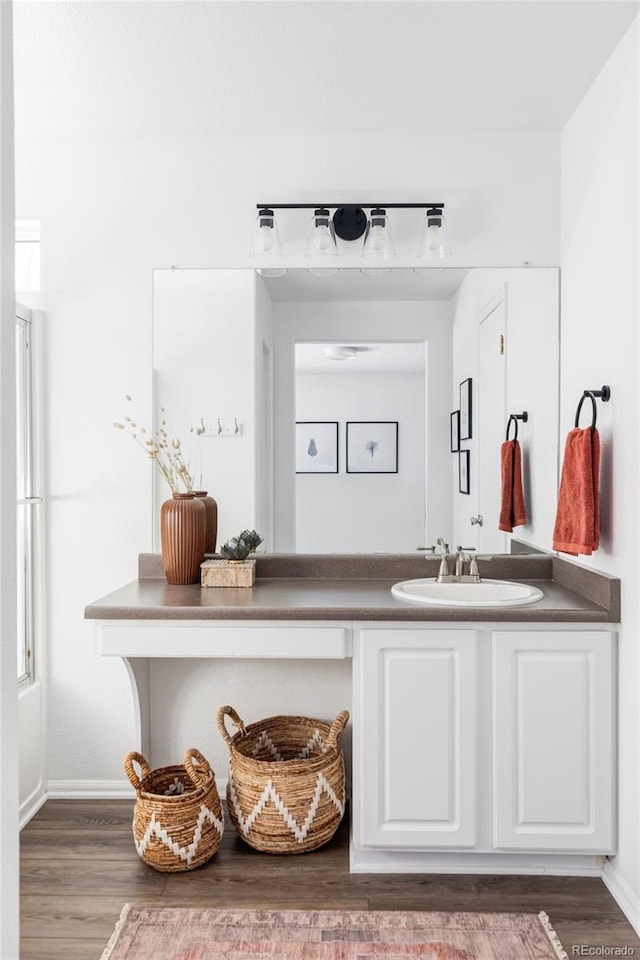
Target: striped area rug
167,933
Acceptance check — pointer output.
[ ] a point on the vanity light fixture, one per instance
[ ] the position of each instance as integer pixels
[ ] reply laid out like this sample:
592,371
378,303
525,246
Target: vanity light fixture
378,241
266,245
321,243
348,224
434,244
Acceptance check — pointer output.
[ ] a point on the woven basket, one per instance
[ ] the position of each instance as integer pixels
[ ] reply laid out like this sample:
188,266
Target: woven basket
286,790
175,831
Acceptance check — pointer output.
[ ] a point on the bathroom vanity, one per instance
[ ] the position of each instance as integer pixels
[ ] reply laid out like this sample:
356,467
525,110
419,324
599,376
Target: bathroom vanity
484,738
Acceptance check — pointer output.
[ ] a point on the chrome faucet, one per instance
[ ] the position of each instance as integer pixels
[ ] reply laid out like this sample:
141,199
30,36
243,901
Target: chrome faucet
443,573
463,558
463,555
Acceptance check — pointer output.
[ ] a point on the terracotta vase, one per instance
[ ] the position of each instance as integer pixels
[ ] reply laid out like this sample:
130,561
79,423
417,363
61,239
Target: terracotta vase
183,527
212,520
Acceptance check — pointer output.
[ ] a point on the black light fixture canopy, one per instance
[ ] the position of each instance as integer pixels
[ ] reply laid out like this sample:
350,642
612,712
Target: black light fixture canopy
349,222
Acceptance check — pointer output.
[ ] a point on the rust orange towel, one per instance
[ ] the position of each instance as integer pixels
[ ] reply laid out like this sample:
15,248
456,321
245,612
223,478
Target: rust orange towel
577,528
513,512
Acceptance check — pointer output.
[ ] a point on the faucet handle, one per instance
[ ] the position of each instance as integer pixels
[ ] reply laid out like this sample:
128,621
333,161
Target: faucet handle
473,566
443,543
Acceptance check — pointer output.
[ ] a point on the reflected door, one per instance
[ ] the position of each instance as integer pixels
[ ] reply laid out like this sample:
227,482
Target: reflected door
491,420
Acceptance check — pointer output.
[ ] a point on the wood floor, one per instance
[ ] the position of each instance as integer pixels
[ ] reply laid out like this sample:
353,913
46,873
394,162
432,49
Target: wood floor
79,867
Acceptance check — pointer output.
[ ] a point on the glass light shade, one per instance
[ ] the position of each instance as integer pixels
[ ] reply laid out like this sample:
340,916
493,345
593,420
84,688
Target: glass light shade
375,271
265,241
378,241
321,242
322,271
434,244
272,271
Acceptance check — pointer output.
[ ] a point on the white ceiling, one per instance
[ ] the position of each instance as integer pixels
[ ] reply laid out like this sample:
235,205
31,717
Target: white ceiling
408,357
236,68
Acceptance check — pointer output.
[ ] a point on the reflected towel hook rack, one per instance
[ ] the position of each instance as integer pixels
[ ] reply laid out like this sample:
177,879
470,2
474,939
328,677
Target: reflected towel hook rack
514,417
604,394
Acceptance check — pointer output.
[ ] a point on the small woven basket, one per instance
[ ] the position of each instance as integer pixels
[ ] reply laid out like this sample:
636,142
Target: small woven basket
286,789
177,819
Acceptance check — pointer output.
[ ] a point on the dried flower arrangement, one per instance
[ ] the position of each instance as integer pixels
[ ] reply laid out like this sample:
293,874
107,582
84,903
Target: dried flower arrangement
163,449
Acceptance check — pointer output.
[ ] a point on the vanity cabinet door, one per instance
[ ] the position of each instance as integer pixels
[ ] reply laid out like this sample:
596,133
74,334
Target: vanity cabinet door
415,738
554,741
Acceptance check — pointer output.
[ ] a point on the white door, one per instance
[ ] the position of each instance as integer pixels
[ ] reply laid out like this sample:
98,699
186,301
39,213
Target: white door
491,423
554,741
30,571
414,738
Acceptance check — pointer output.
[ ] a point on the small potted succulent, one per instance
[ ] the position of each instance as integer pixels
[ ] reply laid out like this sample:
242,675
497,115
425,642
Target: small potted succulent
238,548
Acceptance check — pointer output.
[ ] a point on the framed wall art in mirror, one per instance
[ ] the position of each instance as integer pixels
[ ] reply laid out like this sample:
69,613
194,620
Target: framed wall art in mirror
464,485
454,431
372,447
317,446
466,431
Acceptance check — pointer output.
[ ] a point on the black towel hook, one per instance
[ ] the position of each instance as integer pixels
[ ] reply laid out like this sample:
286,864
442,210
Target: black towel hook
604,394
514,417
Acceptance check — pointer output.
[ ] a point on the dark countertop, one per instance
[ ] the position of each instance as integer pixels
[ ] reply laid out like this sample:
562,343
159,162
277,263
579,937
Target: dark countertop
358,587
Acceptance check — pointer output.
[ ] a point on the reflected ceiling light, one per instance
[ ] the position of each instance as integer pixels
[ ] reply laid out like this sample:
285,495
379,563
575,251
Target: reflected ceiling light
378,241
349,224
433,243
265,241
341,353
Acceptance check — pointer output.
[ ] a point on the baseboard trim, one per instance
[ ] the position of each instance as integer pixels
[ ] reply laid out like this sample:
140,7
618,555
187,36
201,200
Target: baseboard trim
626,898
100,789
30,807
89,790
395,861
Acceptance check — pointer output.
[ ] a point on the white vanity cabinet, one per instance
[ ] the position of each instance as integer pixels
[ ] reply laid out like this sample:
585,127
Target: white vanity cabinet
553,740
484,739
415,736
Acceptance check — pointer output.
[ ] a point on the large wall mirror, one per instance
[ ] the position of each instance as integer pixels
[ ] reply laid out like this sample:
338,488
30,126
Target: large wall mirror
326,402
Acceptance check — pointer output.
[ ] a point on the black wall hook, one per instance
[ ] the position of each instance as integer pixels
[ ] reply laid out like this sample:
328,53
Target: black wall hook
514,417
604,394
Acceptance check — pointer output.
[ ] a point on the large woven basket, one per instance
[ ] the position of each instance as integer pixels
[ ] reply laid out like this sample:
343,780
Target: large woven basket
177,820
286,789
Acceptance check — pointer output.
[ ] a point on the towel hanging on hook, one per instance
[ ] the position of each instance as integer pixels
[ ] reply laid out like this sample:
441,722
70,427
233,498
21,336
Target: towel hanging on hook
604,394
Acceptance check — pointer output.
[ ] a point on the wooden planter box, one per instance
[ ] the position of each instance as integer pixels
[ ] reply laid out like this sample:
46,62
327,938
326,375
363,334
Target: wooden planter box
228,573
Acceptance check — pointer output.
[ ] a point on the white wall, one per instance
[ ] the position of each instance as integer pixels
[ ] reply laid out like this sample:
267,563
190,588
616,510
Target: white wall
428,321
9,922
263,414
600,345
532,353
112,210
363,513
204,359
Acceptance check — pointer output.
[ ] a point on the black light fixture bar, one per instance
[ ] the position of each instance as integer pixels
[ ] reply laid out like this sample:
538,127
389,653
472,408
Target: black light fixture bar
313,206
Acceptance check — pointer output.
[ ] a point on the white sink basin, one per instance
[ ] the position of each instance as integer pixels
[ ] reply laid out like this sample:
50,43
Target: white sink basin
486,593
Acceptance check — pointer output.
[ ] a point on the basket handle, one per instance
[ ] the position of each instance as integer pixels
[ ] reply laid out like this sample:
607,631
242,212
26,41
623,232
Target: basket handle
337,729
235,719
145,769
200,773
